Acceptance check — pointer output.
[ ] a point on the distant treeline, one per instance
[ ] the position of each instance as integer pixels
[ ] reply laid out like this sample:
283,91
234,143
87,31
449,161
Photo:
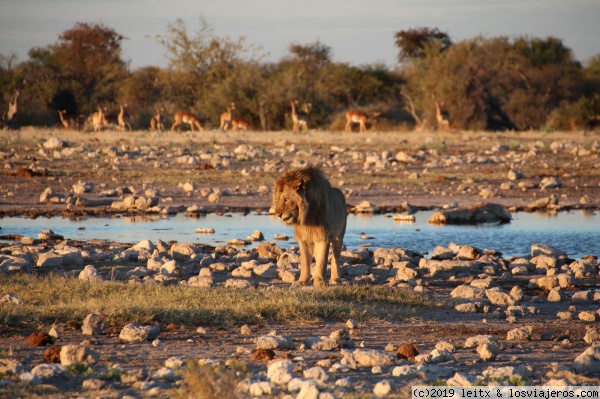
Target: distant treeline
496,83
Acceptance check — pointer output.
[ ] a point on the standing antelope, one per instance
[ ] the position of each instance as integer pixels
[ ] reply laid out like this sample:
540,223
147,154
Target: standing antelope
98,119
155,123
442,117
360,117
226,118
300,118
186,117
63,120
123,124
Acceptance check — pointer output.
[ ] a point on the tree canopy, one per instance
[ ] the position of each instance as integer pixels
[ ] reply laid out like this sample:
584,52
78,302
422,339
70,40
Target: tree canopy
492,83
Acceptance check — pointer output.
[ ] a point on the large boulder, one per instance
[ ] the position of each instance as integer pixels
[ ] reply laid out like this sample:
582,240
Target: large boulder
472,214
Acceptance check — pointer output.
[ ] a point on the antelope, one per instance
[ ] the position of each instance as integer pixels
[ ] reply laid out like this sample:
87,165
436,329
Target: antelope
68,121
360,117
442,117
186,117
155,122
240,124
121,119
419,127
226,118
98,119
300,118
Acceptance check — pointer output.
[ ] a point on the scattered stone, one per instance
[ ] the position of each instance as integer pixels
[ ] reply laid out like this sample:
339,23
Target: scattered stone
93,324
407,351
588,316
39,339
382,388
89,273
52,354
488,351
582,297
262,355
472,214
371,357
520,334
498,297
589,361
273,342
479,340
93,384
138,333
75,354
12,299
280,371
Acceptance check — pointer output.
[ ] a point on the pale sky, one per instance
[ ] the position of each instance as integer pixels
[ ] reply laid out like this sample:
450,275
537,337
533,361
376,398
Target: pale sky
359,32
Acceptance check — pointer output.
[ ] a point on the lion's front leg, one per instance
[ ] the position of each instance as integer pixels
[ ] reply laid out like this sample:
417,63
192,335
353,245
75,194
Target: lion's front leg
336,248
305,262
321,252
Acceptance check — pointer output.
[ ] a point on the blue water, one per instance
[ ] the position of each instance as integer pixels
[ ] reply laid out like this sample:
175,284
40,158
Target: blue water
576,232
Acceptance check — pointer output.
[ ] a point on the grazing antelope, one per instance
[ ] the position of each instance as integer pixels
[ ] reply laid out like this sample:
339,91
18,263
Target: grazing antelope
360,117
240,124
442,117
300,118
155,123
99,119
186,117
123,124
226,118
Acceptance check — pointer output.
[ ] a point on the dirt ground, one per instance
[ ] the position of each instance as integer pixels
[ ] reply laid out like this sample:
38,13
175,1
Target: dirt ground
444,168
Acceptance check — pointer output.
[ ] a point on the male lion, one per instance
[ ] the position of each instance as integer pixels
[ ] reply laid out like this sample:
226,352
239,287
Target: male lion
303,198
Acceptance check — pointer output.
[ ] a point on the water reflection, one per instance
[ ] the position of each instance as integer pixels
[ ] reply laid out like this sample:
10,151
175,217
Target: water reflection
577,233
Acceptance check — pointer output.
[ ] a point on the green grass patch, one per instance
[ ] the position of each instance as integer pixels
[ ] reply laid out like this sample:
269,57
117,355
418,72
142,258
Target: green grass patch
52,299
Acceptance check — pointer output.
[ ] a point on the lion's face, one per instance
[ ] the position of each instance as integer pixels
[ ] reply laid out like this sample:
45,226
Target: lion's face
290,205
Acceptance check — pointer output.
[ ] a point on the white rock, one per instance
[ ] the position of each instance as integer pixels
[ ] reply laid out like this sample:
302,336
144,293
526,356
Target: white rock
478,340
273,342
75,354
371,357
382,388
520,334
589,361
487,351
89,273
93,324
138,333
280,372
316,373
260,388
12,299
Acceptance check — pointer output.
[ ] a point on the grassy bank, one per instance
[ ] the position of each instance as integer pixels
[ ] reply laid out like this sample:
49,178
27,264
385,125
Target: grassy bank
52,299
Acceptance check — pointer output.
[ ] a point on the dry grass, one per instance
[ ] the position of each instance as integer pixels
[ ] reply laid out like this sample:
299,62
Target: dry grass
51,299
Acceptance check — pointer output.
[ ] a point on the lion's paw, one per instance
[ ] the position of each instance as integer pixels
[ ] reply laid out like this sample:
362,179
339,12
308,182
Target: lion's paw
301,283
335,281
320,283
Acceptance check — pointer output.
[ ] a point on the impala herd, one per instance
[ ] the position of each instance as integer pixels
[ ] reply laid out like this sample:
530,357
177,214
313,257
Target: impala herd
300,119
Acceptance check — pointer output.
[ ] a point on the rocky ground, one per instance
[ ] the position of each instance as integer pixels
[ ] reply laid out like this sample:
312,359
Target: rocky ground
531,320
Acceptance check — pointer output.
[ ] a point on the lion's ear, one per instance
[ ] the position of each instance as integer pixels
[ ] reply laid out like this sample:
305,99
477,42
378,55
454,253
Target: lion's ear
298,185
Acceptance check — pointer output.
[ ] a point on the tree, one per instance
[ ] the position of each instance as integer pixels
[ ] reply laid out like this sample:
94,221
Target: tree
413,42
86,62
201,62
